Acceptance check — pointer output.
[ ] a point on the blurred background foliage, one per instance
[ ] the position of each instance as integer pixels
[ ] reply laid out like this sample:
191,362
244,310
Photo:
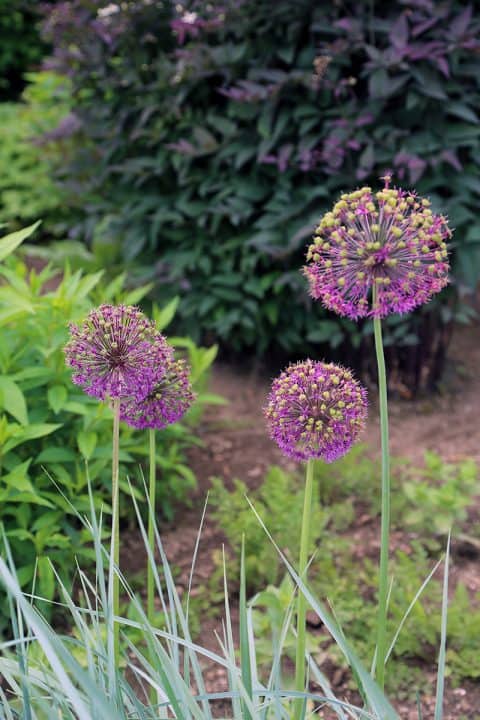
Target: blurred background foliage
200,142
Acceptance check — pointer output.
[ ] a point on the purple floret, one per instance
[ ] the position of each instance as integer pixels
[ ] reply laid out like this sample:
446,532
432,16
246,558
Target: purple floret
316,410
390,241
165,404
117,353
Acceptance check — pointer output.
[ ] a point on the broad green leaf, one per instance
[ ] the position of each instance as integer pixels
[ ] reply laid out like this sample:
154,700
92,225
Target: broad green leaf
57,397
9,243
12,400
164,316
87,442
31,432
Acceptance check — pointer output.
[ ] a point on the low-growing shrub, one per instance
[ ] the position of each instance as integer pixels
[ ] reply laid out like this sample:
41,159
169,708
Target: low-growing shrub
54,437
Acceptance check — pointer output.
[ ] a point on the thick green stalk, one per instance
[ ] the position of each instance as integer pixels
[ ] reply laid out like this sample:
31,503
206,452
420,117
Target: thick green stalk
301,602
385,520
151,529
115,542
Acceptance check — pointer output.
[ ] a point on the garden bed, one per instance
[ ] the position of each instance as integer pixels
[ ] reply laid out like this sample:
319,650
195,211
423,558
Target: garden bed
236,445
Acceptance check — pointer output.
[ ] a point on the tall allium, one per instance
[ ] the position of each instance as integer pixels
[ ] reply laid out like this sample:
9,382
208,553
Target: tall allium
389,239
166,403
117,353
316,410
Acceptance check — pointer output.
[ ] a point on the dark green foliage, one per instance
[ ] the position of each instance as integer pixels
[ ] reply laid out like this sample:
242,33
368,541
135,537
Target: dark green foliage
51,432
209,149
21,48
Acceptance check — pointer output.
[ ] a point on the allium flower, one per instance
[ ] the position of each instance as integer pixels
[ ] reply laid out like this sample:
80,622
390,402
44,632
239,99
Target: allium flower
389,240
316,410
167,402
117,353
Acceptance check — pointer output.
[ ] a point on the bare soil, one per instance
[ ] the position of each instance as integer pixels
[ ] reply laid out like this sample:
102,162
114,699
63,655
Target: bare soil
235,444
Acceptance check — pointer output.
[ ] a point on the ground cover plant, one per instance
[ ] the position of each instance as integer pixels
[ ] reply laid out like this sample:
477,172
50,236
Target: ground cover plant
242,121
342,493
54,438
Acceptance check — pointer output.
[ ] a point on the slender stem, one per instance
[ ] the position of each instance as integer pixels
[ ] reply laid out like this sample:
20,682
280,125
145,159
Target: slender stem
385,521
152,477
151,528
115,540
301,602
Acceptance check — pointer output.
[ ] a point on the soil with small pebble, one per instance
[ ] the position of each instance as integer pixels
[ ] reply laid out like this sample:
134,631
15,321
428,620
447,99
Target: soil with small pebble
235,445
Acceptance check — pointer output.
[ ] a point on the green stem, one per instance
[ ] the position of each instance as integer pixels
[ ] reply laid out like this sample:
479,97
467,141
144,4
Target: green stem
151,529
385,521
115,542
301,602
152,477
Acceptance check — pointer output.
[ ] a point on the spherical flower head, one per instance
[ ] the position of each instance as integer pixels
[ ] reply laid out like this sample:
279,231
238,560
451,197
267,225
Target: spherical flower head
378,253
167,402
117,353
316,410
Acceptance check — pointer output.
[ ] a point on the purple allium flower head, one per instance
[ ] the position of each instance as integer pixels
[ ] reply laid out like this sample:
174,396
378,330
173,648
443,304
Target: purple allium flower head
117,353
389,240
316,410
166,403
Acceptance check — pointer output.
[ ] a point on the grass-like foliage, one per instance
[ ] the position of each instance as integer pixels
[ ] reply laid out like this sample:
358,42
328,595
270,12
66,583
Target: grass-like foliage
49,674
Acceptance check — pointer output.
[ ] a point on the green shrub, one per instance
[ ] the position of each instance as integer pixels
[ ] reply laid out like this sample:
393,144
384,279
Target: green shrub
27,188
52,435
209,149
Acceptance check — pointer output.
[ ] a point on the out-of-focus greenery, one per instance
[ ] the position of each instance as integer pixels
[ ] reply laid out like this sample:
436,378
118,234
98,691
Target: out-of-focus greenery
21,48
349,582
52,435
27,157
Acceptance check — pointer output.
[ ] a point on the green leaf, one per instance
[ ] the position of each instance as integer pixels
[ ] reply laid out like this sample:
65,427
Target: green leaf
164,316
12,400
30,432
87,442
57,396
10,242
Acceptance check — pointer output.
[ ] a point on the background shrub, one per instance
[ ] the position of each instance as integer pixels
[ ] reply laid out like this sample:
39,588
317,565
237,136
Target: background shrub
52,434
28,158
21,48
211,138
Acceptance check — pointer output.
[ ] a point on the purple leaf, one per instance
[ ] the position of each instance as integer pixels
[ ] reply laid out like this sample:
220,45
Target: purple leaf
425,25
451,158
443,65
399,32
460,24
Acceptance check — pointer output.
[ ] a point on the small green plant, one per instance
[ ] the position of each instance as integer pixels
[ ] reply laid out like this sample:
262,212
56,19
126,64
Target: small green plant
439,495
349,583
53,437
